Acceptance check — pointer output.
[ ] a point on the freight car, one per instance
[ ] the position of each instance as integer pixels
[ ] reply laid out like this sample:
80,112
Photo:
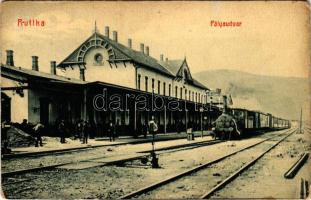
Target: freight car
237,123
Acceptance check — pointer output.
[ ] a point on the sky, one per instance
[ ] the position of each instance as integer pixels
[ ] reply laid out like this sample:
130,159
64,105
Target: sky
273,39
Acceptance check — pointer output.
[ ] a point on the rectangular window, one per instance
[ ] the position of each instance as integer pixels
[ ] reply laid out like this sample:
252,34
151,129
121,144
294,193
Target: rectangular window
176,90
189,98
192,96
164,88
196,97
138,81
159,87
169,89
146,83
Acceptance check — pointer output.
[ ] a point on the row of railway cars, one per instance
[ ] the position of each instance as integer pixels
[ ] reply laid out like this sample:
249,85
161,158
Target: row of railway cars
238,122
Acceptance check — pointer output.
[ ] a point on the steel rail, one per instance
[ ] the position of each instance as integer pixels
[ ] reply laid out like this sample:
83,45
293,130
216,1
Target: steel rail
49,167
195,144
197,168
75,149
296,166
35,169
238,172
114,162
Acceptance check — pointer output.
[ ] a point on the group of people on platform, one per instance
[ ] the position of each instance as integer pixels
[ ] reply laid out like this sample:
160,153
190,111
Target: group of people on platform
82,130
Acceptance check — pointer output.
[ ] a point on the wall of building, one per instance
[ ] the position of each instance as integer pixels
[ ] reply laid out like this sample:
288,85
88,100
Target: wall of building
19,104
143,73
71,72
121,73
60,106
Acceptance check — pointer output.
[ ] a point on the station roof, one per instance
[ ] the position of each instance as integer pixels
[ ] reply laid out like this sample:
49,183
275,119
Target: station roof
25,75
123,53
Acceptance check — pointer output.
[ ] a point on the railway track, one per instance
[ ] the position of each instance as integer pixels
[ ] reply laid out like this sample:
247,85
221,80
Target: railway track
116,161
184,146
220,184
77,149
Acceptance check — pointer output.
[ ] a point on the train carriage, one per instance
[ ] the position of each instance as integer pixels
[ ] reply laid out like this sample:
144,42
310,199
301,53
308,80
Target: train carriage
238,123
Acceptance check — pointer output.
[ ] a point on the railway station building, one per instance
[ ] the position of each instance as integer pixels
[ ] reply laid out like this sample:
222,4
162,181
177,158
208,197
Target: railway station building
103,80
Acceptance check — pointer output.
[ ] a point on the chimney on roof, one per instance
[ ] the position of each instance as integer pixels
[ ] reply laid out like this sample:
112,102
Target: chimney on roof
166,59
161,57
129,42
107,31
142,47
115,36
147,50
35,65
9,58
53,67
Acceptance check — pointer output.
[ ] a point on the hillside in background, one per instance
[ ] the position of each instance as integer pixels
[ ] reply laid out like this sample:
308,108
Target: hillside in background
281,96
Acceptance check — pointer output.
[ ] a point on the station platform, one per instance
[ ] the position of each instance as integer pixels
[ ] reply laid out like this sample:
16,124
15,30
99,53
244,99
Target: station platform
53,145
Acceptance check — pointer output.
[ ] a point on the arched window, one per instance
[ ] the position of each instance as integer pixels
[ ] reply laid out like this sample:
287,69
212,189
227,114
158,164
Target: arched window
181,93
146,83
185,94
164,88
169,89
159,87
138,81
152,84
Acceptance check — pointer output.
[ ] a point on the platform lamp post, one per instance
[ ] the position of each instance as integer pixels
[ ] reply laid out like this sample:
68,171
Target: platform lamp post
152,118
201,111
154,159
300,122
210,110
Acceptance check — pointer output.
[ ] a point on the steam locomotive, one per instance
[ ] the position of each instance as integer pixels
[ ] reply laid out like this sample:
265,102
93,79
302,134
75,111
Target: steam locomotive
237,123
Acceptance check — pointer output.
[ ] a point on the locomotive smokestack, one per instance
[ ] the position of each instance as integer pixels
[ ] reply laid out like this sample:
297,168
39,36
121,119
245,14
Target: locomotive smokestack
225,104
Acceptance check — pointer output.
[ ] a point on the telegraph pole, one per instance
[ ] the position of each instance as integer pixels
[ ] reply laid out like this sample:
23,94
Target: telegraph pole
300,124
201,111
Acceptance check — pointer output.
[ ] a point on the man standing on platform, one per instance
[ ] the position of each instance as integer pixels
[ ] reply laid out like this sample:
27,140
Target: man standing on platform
62,131
111,131
86,131
38,133
153,128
